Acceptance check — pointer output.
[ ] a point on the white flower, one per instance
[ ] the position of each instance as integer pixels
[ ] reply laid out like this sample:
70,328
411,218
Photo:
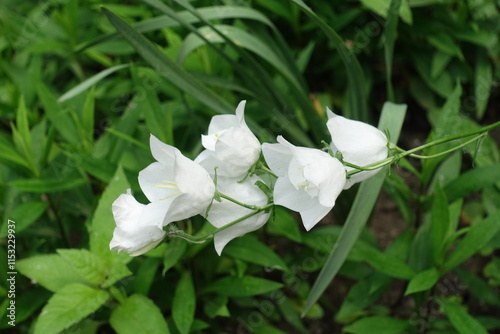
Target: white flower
360,144
231,142
309,180
138,226
183,187
224,212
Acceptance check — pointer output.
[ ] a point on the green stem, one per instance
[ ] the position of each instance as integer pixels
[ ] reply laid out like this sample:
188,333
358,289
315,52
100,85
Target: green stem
205,237
447,151
411,152
248,206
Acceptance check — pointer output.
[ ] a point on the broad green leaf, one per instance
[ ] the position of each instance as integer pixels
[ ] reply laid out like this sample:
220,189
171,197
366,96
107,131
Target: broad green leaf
103,224
245,286
478,236
88,265
50,271
462,321
250,249
138,314
83,86
184,303
355,76
386,9
439,62
283,224
377,324
24,215
445,44
42,186
440,225
168,69
423,281
472,180
175,250
146,275
68,306
216,306
391,119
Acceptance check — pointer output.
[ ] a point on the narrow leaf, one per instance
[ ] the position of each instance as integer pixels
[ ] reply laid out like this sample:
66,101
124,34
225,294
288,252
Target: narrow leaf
462,321
184,304
391,119
245,286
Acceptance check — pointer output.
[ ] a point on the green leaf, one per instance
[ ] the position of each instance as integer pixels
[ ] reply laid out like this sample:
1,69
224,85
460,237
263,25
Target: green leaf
462,321
483,80
250,249
245,286
168,69
445,44
184,303
68,306
50,271
138,314
83,86
423,281
146,275
391,119
377,324
24,215
283,224
88,118
472,180
10,155
175,250
242,39
479,288
41,186
88,265
355,76
391,26
440,225
478,236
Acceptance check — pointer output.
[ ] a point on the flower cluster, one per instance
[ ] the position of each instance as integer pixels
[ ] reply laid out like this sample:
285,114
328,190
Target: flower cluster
223,184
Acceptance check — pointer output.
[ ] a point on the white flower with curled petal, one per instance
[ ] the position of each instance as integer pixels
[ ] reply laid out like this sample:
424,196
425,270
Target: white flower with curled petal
360,144
232,144
181,185
138,226
225,212
309,180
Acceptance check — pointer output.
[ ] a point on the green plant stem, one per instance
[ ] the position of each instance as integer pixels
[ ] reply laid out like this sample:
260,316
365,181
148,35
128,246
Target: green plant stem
248,206
205,237
411,152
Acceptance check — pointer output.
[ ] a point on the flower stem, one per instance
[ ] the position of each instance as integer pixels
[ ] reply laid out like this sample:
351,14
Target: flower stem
248,206
411,152
205,237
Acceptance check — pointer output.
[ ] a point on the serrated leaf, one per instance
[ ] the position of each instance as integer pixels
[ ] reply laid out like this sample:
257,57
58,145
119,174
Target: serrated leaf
245,286
68,306
184,303
138,314
250,249
88,265
423,281
50,271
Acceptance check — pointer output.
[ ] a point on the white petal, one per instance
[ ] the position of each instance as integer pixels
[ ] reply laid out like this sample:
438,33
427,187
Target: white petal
224,212
152,180
162,152
360,144
277,158
221,123
137,228
329,176
313,215
285,194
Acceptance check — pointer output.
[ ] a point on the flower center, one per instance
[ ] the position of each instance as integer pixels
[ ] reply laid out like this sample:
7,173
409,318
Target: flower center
171,186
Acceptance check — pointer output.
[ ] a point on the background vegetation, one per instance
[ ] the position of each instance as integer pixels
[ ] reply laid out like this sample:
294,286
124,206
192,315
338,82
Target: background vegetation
82,88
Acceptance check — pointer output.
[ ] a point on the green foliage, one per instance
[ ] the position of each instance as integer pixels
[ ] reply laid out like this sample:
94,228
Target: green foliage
84,87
